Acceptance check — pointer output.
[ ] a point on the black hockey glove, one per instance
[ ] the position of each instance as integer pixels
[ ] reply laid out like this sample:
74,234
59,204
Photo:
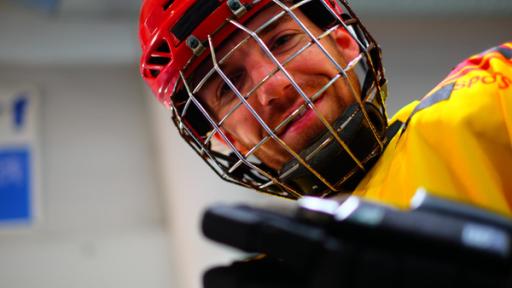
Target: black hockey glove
321,243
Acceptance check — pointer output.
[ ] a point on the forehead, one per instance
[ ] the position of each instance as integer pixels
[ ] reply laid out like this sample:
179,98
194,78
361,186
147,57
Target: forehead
264,23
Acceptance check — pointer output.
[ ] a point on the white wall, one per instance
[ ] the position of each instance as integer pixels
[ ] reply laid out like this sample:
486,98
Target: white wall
30,38
191,187
418,53
102,221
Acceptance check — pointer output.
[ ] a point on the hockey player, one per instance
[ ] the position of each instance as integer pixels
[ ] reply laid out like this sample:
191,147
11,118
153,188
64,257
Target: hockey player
287,97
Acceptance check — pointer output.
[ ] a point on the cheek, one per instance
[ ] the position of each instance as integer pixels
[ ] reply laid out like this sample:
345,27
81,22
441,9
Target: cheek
313,61
243,128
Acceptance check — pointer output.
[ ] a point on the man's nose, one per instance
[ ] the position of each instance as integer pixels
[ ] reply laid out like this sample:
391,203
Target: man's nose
272,82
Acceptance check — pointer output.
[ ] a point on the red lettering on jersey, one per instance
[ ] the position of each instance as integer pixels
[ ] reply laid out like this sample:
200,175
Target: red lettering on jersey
489,79
505,82
498,78
473,80
460,84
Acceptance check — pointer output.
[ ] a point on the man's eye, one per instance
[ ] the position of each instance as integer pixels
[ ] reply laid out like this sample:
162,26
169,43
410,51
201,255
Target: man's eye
284,42
225,92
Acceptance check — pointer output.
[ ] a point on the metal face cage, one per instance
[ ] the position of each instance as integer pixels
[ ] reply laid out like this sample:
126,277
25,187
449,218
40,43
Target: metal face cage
203,112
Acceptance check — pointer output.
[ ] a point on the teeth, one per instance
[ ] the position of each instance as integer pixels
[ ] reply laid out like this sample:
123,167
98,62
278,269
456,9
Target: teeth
301,113
296,115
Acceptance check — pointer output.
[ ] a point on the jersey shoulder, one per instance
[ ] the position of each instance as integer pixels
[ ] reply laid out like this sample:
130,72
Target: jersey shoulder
456,141
476,95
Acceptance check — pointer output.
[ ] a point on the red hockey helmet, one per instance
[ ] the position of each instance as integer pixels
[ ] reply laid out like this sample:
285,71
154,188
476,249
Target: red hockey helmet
177,36
172,33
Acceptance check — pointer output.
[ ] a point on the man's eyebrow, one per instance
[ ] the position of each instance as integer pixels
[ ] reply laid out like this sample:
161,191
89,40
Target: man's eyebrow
263,33
283,19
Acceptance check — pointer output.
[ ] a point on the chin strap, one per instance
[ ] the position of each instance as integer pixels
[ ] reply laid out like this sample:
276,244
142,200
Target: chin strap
332,161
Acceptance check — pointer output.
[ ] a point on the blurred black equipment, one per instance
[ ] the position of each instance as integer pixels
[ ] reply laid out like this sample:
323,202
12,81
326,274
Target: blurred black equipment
321,243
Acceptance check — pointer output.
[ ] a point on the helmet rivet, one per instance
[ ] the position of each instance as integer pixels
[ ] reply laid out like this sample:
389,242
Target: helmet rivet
195,45
233,5
192,42
236,7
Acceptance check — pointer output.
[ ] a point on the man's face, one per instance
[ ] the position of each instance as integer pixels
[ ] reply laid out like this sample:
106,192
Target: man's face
269,91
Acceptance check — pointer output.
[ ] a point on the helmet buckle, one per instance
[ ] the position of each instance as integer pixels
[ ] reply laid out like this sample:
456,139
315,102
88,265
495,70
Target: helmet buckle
237,8
195,45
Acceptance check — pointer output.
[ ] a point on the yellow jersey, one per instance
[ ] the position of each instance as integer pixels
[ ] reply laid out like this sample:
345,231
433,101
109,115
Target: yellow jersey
456,142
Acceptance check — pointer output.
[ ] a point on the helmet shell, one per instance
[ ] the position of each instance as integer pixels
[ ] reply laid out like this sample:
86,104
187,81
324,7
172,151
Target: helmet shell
164,27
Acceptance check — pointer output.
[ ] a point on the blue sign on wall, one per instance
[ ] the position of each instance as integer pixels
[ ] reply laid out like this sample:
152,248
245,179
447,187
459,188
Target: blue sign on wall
19,146
15,185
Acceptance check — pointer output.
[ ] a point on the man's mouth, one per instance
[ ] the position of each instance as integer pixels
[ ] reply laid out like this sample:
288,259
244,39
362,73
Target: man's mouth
299,119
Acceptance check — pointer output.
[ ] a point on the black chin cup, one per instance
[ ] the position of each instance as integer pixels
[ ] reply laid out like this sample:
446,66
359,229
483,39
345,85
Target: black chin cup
327,157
